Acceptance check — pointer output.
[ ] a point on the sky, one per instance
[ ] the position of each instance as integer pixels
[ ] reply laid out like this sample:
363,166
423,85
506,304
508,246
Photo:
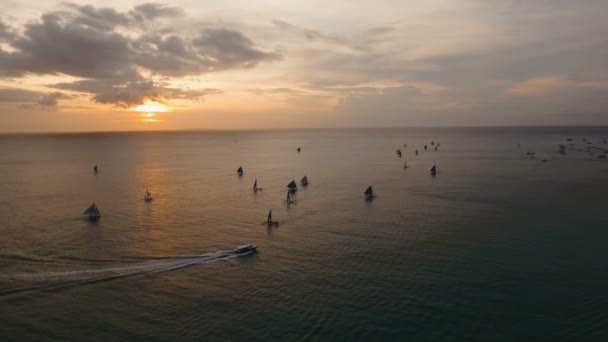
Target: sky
236,64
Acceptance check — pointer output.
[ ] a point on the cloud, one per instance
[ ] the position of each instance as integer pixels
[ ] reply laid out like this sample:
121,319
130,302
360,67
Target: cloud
230,49
539,86
18,95
50,99
133,92
6,33
118,58
57,45
151,11
28,97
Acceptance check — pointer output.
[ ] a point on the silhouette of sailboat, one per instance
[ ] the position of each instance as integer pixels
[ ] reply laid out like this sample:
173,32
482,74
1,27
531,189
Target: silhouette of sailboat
434,170
240,171
148,196
255,186
304,181
269,220
369,193
92,212
292,186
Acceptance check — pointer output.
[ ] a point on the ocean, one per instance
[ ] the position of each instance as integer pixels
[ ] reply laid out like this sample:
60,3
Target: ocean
500,245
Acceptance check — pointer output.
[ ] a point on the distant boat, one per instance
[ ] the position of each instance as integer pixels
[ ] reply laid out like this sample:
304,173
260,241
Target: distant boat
148,196
240,171
304,181
399,153
425,147
95,169
405,164
269,220
246,249
92,212
416,152
434,170
369,193
299,150
292,186
435,148
255,186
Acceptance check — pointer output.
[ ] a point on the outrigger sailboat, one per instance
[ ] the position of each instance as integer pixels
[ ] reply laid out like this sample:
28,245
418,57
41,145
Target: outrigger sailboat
292,186
92,212
369,193
148,196
255,186
270,222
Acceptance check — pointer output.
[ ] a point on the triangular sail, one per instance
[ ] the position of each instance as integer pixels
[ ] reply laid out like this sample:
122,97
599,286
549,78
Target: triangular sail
369,191
305,180
255,185
434,169
269,220
91,210
240,170
292,185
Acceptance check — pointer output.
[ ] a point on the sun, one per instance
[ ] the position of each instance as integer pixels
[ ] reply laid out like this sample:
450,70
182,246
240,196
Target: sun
151,107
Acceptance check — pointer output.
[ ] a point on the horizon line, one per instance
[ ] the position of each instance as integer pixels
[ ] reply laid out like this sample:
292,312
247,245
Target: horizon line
288,129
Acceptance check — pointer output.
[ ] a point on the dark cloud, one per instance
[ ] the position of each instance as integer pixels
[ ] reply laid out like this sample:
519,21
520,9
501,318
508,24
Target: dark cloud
152,11
18,95
50,99
134,92
91,43
105,19
28,97
230,49
55,45
6,33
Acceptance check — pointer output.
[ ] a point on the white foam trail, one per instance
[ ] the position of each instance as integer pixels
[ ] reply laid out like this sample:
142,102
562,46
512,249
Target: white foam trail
133,268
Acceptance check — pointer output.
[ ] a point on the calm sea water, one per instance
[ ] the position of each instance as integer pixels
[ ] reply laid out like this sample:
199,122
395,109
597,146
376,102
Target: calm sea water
496,247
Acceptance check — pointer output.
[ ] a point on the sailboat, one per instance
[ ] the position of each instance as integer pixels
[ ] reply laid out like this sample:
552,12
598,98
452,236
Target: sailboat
369,193
304,181
92,212
434,170
405,164
299,150
95,169
269,220
292,186
148,196
255,186
240,171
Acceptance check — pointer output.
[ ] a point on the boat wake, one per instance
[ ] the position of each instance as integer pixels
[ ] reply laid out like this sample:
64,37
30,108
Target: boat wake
56,280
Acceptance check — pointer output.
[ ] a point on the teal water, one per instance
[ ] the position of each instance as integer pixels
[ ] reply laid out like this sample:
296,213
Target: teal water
496,247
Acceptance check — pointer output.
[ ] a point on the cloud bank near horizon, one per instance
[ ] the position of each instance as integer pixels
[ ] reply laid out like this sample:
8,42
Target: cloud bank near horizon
382,64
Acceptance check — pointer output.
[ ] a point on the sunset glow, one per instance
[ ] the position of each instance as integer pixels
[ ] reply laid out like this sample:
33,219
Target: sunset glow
283,64
151,107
